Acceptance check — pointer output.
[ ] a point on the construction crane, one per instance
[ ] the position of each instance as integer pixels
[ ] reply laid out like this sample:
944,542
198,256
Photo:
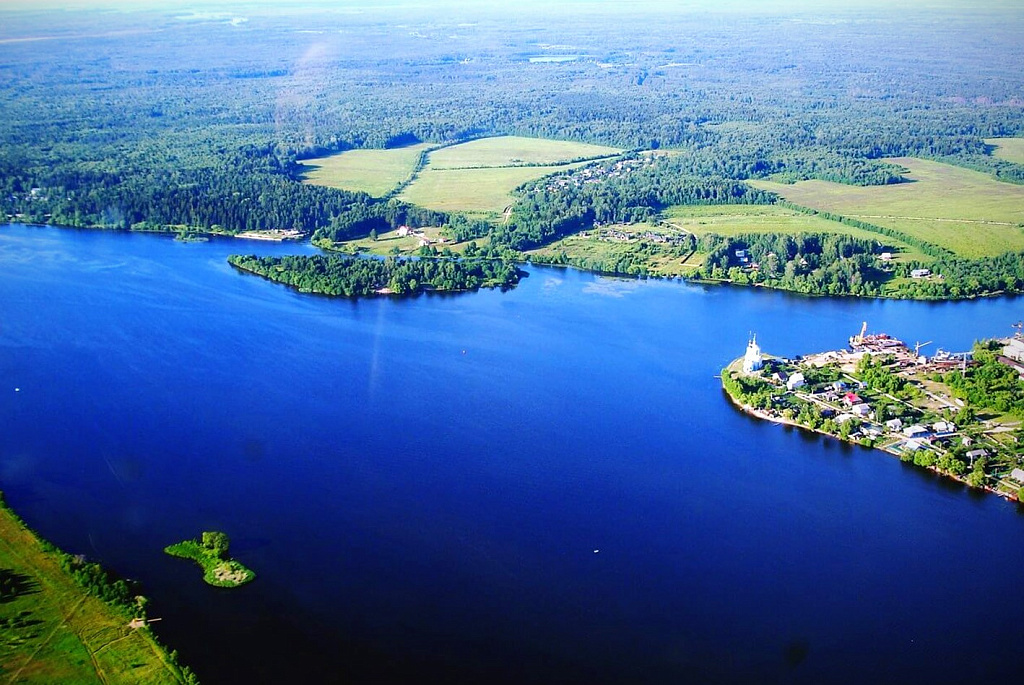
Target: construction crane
859,338
918,346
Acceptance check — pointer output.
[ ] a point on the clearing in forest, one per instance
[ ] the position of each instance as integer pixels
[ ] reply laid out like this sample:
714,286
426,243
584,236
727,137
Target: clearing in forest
371,171
964,211
478,177
484,191
508,151
733,220
1010,149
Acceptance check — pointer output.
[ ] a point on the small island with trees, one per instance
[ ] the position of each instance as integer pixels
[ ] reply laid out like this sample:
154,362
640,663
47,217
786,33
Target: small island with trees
211,552
956,413
349,276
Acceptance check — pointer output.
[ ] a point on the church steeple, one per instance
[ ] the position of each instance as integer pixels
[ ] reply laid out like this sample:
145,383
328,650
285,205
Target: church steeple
752,360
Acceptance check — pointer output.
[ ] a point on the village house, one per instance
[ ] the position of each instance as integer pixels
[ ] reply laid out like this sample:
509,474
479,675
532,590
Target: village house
915,431
894,425
920,273
976,454
944,427
795,381
1012,363
851,398
861,409
1017,475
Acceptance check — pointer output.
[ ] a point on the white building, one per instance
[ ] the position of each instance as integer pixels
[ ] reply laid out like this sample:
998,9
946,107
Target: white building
752,360
861,409
976,454
914,431
795,381
1014,349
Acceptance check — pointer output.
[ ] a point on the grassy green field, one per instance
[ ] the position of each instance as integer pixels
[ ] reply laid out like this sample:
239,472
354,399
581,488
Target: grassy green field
731,220
371,171
1010,149
505,151
475,177
52,632
479,176
484,191
961,210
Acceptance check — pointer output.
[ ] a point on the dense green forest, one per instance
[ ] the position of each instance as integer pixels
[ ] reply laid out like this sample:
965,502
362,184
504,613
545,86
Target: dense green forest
989,384
171,119
345,276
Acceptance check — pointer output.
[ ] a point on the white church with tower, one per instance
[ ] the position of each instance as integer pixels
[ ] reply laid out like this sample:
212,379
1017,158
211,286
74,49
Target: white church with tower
752,360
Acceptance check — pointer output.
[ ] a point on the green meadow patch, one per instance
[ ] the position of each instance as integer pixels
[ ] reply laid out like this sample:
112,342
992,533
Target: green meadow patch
964,211
485,191
371,171
733,220
480,175
1010,149
508,151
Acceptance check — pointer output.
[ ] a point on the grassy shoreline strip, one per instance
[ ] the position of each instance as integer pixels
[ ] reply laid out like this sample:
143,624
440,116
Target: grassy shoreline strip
65,620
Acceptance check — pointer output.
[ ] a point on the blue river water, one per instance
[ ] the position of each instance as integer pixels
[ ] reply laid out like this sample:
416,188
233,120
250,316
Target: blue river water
539,485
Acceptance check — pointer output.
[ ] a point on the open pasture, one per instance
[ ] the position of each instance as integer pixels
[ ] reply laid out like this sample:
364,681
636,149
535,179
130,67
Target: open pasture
511,151
964,211
730,220
371,171
733,220
1010,149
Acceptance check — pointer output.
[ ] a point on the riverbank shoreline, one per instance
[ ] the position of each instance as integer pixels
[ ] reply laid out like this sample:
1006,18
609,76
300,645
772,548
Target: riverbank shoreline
62,623
783,421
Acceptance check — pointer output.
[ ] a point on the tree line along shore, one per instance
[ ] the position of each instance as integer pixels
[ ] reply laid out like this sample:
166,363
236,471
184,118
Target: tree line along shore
64,619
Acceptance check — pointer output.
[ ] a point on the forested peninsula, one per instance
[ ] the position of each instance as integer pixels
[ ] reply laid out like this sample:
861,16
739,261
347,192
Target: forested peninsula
346,276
